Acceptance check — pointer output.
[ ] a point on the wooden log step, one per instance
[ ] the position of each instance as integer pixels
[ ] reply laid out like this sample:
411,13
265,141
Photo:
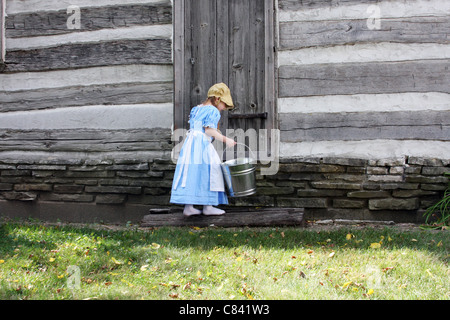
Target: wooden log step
235,217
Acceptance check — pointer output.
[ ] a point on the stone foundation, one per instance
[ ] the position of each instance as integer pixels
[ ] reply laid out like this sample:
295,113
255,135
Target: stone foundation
336,188
124,190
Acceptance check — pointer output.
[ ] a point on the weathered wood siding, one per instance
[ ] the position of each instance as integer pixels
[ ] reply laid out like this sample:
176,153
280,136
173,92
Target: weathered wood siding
86,109
364,79
96,78
2,30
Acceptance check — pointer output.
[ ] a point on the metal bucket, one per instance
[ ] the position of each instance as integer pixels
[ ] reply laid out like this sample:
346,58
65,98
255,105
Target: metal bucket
240,177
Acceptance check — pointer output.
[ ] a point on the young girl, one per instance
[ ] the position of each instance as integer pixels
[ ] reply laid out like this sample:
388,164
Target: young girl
198,178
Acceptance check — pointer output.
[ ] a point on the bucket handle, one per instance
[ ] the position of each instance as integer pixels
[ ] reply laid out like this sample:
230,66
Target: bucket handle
253,155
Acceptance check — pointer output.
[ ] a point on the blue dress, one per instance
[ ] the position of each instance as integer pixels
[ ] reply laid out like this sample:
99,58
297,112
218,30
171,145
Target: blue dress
198,178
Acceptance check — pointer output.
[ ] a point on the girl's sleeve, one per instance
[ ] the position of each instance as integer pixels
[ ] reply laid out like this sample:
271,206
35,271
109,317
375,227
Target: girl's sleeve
212,118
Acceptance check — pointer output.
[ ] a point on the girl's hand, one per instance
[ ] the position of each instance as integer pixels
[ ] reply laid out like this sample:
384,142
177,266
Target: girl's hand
230,142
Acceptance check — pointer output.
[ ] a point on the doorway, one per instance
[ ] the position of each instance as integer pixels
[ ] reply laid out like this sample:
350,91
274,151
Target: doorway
230,41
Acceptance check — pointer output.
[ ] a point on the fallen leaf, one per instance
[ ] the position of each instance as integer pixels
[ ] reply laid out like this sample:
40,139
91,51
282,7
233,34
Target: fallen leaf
144,267
155,246
128,283
345,285
387,268
429,273
187,286
375,245
116,261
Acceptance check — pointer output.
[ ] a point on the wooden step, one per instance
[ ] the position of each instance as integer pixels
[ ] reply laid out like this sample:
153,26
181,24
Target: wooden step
234,217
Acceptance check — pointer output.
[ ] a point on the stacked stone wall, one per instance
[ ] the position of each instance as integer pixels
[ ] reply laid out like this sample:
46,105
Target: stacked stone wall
328,188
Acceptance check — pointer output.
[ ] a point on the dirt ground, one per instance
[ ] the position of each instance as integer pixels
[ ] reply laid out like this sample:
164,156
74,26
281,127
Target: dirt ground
325,225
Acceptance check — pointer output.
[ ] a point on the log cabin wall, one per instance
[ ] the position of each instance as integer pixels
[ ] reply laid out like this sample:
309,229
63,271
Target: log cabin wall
86,109
364,106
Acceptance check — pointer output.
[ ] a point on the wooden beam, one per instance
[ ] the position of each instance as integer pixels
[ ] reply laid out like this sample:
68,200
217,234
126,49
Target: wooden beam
296,35
404,125
358,78
74,96
43,23
152,51
2,31
262,115
85,140
179,52
314,4
265,217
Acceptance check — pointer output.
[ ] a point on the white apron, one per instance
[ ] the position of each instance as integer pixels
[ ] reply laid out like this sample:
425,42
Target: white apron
216,182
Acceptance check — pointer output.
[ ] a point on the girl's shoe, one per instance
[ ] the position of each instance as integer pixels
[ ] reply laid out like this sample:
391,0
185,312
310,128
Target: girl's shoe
189,210
211,211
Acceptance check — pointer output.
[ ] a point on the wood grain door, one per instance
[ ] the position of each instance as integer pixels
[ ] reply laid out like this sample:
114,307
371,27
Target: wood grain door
230,41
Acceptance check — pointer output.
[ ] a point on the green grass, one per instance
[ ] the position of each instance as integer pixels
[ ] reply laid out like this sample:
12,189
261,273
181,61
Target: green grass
222,264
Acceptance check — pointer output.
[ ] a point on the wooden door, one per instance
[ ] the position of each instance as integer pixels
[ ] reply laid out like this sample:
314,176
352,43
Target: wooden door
230,41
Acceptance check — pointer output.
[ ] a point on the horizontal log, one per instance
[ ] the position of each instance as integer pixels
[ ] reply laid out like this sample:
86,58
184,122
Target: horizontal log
152,51
296,35
363,119
111,94
422,125
91,18
233,218
313,4
358,78
156,134
15,7
83,140
432,132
